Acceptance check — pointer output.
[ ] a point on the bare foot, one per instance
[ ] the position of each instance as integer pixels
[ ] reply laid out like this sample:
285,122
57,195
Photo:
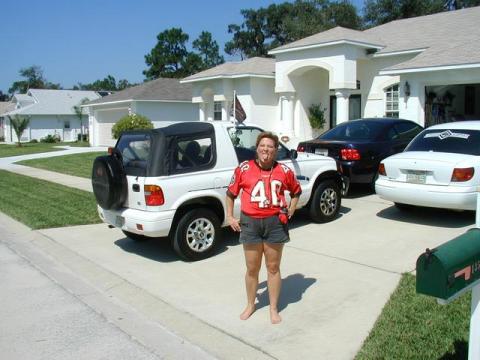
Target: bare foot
249,310
275,317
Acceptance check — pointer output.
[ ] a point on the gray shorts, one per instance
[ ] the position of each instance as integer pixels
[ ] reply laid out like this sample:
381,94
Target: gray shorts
270,230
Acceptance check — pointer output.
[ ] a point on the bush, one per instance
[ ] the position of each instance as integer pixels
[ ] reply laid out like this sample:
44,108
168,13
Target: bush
316,115
33,141
131,122
50,139
2,138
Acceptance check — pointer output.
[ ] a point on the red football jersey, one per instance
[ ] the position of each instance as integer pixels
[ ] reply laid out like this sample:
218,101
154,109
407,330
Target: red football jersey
263,191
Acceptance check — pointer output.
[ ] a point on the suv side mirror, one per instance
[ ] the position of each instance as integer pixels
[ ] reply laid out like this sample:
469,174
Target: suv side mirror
293,154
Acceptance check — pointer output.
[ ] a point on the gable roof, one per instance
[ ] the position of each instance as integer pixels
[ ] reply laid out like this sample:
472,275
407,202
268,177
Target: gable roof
253,67
50,102
162,89
331,37
442,39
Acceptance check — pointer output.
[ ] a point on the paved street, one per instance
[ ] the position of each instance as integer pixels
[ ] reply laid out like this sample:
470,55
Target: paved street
337,278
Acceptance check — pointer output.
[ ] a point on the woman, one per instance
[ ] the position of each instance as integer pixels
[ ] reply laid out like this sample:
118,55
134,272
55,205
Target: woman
262,224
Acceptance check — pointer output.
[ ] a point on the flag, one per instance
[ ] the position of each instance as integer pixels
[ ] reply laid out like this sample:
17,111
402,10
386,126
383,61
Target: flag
240,115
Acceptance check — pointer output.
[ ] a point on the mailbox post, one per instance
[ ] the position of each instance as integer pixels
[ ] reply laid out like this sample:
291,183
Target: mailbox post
450,270
474,339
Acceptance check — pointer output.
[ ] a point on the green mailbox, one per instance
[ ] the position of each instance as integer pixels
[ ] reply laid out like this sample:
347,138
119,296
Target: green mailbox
451,268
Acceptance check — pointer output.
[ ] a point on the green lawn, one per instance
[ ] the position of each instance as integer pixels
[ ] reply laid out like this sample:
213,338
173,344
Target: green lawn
76,164
414,326
43,204
33,148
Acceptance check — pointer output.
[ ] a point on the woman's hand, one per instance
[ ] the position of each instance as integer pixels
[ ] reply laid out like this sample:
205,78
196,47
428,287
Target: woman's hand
234,223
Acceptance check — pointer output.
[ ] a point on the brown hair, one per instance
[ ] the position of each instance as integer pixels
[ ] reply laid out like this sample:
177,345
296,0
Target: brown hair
268,135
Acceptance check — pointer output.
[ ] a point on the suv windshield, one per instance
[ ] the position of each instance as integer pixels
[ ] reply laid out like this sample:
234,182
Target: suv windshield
244,141
458,141
134,149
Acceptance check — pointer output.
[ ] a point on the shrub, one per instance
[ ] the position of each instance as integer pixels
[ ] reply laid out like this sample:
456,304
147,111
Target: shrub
50,139
33,141
316,115
131,122
2,138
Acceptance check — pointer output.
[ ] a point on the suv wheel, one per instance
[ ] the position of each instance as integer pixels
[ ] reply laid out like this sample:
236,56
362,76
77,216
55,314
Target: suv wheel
196,234
135,237
326,202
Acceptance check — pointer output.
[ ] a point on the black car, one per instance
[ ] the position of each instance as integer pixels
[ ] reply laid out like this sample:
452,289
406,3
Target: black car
360,145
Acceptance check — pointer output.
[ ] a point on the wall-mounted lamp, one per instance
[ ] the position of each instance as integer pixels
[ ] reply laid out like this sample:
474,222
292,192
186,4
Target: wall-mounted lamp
406,89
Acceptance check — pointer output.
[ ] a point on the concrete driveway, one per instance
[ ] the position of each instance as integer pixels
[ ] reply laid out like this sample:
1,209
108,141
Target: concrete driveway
337,278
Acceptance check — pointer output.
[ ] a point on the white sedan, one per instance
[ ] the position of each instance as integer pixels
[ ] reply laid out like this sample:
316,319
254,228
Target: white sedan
439,168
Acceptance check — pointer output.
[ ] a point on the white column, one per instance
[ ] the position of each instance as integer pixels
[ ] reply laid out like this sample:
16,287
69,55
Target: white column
225,110
287,103
201,112
342,105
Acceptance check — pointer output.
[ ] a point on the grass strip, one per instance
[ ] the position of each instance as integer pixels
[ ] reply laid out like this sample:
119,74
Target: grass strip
7,150
42,204
76,164
414,326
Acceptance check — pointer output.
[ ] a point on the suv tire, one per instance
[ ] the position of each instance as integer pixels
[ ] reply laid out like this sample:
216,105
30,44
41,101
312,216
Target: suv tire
196,234
326,202
109,182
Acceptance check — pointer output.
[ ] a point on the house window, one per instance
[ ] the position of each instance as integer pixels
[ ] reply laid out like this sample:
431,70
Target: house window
391,101
66,124
217,110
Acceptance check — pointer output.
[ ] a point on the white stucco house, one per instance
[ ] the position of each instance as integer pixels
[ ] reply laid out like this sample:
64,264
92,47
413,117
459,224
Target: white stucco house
51,113
425,69
161,100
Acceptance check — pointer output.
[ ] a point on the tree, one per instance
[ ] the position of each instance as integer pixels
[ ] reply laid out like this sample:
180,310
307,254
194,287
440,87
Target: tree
131,122
4,97
19,124
276,25
78,109
166,58
107,84
34,80
208,50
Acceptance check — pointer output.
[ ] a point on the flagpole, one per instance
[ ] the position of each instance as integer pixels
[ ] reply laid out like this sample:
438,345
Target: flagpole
234,105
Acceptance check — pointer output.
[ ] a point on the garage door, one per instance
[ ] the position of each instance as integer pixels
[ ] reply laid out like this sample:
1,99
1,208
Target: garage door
105,120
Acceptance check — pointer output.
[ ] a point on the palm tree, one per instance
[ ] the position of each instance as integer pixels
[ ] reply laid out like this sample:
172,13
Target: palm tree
19,124
79,112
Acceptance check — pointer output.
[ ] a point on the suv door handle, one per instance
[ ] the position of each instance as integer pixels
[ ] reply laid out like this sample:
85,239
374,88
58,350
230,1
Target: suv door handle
136,187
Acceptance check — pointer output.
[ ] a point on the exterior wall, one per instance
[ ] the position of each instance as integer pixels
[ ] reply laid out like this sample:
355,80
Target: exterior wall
412,108
311,88
373,85
264,103
338,60
160,112
43,125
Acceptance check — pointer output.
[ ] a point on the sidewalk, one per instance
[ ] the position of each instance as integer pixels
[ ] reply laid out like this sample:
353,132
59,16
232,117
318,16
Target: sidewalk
8,163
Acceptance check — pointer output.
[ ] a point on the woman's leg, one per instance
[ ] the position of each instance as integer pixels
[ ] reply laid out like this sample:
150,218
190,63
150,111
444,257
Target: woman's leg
253,260
273,256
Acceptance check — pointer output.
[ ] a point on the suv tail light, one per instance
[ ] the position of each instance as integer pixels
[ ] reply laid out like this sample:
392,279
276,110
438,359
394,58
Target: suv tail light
301,148
462,174
153,195
381,169
350,154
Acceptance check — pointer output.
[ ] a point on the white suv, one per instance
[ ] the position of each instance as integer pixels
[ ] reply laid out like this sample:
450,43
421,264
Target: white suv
172,182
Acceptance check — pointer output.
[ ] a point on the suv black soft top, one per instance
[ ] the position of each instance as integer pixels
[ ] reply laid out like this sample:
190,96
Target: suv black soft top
161,148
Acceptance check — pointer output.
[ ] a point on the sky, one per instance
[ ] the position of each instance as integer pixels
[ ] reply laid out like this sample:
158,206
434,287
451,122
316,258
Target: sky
85,40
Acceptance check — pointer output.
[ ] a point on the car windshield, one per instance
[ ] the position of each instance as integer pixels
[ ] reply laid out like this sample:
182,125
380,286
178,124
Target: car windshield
458,141
355,130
